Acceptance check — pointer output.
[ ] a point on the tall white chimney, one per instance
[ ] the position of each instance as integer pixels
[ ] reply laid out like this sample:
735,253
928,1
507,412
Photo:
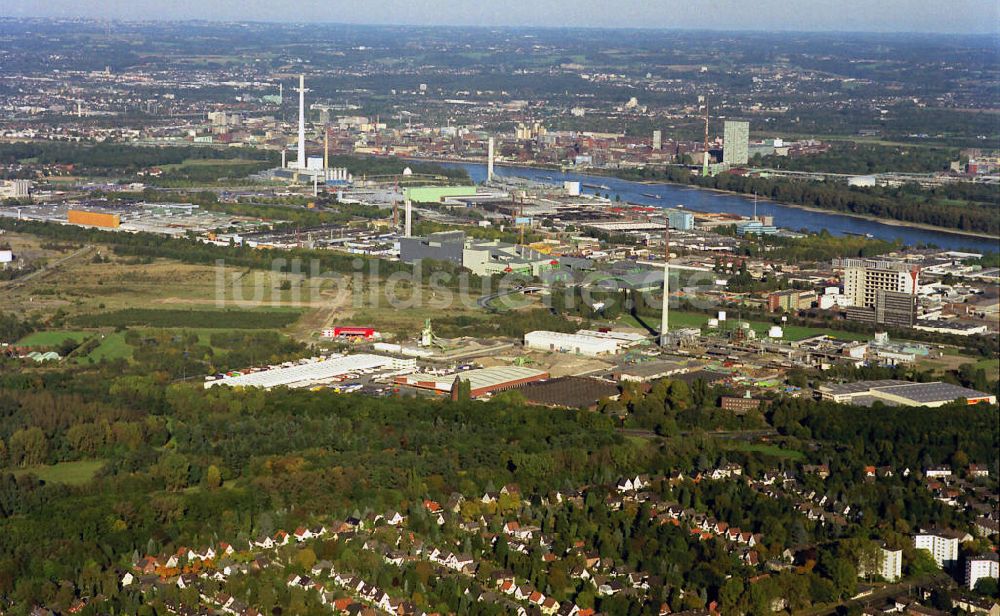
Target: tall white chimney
489,161
408,224
301,164
664,325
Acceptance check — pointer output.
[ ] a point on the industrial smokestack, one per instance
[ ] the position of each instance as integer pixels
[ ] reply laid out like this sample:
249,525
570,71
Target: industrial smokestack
664,327
301,164
326,149
408,219
489,161
284,156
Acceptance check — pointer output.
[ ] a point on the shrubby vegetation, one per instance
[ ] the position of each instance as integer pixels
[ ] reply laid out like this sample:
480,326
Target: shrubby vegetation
212,319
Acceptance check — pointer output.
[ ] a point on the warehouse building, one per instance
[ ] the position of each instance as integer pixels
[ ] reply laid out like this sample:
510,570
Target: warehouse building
93,219
481,382
313,371
570,392
591,346
437,194
902,393
651,371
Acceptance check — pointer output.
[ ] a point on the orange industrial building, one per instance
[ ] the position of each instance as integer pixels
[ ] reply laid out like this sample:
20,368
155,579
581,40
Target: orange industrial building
94,219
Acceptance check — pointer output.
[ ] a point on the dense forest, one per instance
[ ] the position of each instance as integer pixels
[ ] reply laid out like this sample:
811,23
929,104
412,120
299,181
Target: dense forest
863,158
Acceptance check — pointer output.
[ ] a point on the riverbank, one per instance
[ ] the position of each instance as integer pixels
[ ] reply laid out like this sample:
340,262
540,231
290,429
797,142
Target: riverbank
604,173
808,208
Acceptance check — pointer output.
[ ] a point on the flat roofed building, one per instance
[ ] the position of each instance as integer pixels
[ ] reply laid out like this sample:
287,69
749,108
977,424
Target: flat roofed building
571,343
903,393
625,338
481,382
651,371
569,392
313,372
739,405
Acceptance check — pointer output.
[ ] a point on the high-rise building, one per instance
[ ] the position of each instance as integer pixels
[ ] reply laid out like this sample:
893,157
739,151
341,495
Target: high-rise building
657,140
943,546
891,564
736,142
880,292
895,308
680,220
864,278
983,566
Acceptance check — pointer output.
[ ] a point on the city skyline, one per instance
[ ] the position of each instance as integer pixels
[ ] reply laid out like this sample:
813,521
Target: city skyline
968,17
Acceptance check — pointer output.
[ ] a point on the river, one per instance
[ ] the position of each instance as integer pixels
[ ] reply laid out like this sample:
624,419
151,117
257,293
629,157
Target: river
702,200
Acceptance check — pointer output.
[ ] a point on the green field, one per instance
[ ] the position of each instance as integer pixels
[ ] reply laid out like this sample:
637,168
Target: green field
190,319
52,338
770,450
70,473
112,347
991,366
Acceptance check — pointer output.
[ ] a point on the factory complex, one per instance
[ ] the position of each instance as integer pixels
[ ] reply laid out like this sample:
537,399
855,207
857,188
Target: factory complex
311,372
482,381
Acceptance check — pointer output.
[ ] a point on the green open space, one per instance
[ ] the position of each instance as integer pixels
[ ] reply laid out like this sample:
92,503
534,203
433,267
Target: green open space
192,319
991,366
112,347
70,473
766,449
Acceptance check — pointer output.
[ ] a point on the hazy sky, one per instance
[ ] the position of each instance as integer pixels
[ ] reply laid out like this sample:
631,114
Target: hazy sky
959,16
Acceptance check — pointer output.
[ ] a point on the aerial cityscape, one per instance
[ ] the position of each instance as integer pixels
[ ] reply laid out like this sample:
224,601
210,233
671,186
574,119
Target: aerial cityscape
459,311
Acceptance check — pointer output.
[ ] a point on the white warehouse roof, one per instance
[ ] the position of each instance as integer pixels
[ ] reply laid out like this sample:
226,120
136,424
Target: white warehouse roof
312,372
571,343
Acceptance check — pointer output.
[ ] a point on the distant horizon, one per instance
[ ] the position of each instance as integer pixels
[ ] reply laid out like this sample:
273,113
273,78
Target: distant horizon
265,22
961,17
